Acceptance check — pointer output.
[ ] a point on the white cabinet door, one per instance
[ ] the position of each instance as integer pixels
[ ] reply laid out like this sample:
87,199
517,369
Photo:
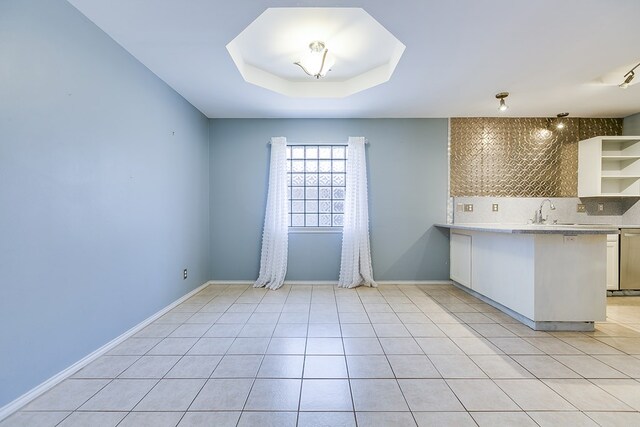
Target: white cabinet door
460,254
612,262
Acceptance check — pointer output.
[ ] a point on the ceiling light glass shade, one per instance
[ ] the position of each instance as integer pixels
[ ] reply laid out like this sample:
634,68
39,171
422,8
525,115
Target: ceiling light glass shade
503,106
317,62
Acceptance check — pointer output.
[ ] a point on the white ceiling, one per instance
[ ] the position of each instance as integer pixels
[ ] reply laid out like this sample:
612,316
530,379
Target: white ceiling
552,56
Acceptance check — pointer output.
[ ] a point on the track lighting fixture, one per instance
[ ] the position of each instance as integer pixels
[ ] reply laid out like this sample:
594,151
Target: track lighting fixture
628,77
559,123
503,106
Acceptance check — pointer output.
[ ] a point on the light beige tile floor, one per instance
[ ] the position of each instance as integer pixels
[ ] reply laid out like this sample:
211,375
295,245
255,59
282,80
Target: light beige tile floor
321,356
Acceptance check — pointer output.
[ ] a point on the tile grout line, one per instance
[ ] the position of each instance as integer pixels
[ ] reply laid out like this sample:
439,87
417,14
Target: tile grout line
386,356
111,380
401,391
454,393
304,361
206,380
164,376
346,362
242,411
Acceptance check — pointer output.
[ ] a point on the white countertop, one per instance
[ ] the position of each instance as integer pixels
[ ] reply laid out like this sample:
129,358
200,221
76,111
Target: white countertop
539,229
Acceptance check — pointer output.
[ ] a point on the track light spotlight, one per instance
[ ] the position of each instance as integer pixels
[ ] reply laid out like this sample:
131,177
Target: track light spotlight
628,77
557,123
501,96
560,124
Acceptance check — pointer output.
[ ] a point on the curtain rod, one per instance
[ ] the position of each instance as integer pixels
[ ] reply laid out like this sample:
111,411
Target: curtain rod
366,141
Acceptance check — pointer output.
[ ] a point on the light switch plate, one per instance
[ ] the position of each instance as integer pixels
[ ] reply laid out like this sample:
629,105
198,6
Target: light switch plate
581,208
468,207
494,207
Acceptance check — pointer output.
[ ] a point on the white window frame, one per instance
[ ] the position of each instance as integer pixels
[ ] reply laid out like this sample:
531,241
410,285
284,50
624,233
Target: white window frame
338,147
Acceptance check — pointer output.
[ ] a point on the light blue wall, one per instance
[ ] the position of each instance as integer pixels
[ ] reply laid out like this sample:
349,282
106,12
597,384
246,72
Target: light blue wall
631,125
104,192
408,194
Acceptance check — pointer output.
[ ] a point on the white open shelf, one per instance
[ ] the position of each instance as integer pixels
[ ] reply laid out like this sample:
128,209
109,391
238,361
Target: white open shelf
609,166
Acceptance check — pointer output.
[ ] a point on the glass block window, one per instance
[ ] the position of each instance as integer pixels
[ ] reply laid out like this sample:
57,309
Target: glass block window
316,185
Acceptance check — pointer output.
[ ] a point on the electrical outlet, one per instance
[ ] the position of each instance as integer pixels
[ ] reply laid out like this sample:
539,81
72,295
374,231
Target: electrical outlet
468,207
459,207
581,208
570,238
184,274
600,207
494,207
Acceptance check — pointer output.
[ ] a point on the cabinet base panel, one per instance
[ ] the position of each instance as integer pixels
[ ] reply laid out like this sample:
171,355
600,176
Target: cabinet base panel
537,326
623,292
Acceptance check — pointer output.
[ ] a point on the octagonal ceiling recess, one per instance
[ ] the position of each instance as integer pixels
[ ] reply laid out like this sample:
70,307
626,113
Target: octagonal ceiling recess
365,53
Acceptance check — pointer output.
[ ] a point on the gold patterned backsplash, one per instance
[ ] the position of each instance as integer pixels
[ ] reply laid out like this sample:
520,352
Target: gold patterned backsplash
518,157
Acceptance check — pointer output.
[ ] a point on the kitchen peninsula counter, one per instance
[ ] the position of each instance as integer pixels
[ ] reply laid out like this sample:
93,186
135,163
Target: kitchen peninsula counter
550,277
537,229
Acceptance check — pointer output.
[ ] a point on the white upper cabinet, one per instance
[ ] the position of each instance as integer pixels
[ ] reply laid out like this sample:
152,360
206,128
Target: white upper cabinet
609,166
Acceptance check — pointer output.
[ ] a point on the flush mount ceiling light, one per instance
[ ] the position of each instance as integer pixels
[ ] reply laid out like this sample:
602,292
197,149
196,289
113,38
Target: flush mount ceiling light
317,62
365,52
628,77
503,106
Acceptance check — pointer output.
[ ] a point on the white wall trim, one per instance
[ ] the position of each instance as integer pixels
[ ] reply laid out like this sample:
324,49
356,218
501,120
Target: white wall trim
311,282
414,282
38,390
335,282
231,282
286,282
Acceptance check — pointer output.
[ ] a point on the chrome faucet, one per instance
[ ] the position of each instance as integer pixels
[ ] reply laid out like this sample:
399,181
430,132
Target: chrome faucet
538,218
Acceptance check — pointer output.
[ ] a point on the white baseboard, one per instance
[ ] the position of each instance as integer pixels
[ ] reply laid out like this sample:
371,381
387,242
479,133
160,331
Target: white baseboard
311,282
231,282
414,282
286,282
335,282
38,390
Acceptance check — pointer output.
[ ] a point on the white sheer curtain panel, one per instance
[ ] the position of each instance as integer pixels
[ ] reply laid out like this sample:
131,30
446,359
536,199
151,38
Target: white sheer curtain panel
275,235
355,266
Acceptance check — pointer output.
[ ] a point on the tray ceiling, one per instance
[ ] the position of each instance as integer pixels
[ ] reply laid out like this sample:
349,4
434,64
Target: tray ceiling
552,56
